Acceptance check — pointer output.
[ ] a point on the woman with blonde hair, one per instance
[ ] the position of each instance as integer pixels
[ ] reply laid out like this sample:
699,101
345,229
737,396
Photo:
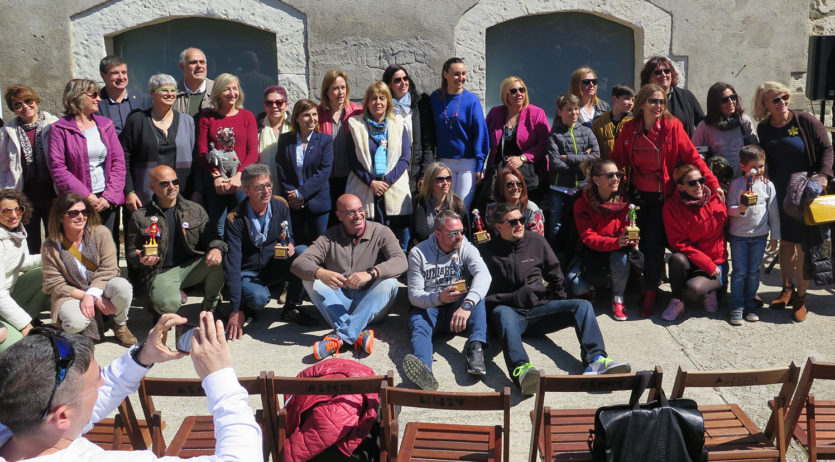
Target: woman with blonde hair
584,85
335,108
435,195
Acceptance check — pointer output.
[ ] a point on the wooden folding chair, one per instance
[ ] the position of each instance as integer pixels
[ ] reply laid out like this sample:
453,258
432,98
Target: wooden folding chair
809,421
440,441
122,432
563,434
195,437
298,386
729,433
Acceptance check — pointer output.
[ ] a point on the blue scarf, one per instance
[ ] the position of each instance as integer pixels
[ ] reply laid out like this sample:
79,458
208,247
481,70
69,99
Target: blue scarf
256,231
403,106
378,131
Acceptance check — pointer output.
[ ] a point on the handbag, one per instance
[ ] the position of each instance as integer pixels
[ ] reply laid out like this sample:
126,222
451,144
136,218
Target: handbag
659,431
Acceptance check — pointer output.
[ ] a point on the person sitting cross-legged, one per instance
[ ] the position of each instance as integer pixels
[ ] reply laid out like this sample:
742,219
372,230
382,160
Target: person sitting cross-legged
520,303
350,274
189,251
436,268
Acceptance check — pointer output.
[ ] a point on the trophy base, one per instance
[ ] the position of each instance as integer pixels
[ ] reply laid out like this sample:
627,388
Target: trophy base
151,250
282,252
481,237
749,199
460,285
633,233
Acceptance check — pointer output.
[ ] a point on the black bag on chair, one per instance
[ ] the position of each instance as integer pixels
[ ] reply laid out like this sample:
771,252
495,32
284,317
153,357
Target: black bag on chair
659,431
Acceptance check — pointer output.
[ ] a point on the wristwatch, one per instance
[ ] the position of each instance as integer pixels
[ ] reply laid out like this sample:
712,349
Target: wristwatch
372,274
134,355
467,305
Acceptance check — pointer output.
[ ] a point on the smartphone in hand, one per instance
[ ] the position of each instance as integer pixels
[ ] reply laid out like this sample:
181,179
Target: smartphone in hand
184,339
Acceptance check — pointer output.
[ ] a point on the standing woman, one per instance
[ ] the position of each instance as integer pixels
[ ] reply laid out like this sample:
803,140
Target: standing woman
335,107
726,128
157,136
460,130
435,195
85,156
681,102
227,112
649,148
584,84
379,159
23,162
518,134
794,141
416,112
272,123
304,157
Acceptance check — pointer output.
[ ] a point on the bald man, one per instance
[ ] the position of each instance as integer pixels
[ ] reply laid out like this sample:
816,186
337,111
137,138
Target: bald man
350,274
189,251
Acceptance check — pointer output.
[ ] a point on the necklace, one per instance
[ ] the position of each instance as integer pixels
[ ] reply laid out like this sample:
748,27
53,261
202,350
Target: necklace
447,122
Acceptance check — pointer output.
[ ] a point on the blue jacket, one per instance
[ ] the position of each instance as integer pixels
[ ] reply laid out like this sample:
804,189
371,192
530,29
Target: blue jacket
318,160
243,254
137,102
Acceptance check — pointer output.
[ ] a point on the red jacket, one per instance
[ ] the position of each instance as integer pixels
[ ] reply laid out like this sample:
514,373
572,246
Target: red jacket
600,227
676,149
699,233
326,117
328,420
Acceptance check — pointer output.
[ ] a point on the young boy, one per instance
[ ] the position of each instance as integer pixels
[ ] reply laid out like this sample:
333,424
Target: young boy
569,144
749,230
607,127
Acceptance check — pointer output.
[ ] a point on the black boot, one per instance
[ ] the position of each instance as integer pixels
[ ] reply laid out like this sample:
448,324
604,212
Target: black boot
475,358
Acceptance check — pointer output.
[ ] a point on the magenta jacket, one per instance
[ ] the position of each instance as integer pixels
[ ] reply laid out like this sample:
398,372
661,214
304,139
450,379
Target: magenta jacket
532,132
70,166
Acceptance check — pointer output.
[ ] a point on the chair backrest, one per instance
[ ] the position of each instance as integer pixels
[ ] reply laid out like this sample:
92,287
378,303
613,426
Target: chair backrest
588,384
453,401
814,370
311,386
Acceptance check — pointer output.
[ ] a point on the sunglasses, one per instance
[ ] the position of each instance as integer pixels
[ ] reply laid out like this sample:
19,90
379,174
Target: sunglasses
443,179
64,357
610,175
780,98
662,71
75,213
693,183
657,101
17,105
513,185
515,221
520,90
455,233
165,183
276,102
399,80
92,94
6,213
589,82
725,99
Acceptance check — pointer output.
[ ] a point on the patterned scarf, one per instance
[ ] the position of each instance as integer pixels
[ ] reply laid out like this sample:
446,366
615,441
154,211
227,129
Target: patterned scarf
378,131
35,156
695,203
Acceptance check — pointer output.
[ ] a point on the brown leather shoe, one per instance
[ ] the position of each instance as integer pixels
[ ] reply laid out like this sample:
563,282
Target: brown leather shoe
799,307
785,297
124,335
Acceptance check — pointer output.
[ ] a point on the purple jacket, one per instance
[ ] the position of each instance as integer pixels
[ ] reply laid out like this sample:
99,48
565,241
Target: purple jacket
70,166
532,132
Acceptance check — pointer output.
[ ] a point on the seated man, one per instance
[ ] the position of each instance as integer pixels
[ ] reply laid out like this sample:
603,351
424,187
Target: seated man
350,274
435,265
52,390
189,251
253,229
520,303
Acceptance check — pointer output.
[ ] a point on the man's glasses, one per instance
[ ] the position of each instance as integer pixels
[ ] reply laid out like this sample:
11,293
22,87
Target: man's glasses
275,102
262,187
75,213
589,82
515,221
693,183
783,97
399,80
165,183
443,179
18,105
351,213
455,233
64,357
610,175
666,71
725,99
513,185
6,213
521,90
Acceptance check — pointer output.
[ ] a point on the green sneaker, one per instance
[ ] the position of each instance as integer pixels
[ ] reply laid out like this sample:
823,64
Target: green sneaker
607,366
528,377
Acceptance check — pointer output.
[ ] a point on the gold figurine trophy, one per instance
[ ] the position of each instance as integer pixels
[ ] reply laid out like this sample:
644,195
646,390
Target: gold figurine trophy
749,197
151,247
479,233
460,284
282,251
632,230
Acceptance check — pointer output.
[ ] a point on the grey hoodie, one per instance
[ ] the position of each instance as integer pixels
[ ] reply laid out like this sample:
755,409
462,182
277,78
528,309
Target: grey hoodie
431,270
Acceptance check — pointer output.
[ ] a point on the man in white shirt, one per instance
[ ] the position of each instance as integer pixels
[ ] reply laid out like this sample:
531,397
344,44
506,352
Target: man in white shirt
52,390
196,87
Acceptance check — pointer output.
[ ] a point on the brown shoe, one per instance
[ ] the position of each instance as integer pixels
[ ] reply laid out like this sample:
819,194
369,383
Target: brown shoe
124,335
799,307
785,297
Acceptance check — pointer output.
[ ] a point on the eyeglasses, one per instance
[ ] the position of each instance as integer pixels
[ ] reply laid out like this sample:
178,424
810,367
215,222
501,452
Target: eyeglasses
169,91
6,213
783,97
350,213
513,185
515,221
692,183
276,102
75,213
92,94
521,90
732,97
455,233
589,82
399,80
18,105
64,357
610,175
165,183
262,187
657,101
443,179
666,71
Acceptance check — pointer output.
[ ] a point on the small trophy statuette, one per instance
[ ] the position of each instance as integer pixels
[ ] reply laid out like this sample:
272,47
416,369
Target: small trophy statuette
282,251
481,236
151,247
749,197
460,284
632,230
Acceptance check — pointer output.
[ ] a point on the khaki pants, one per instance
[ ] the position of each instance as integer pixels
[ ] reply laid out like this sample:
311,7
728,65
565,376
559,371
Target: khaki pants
118,290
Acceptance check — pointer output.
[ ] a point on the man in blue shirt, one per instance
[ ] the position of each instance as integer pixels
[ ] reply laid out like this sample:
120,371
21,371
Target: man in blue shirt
116,103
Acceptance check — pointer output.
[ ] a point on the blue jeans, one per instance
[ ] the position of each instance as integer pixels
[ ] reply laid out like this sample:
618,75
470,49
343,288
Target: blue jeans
552,228
349,311
589,268
510,324
255,287
217,206
307,226
463,178
746,256
424,323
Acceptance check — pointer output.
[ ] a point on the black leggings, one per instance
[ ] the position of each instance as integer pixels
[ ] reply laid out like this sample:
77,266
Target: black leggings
687,279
